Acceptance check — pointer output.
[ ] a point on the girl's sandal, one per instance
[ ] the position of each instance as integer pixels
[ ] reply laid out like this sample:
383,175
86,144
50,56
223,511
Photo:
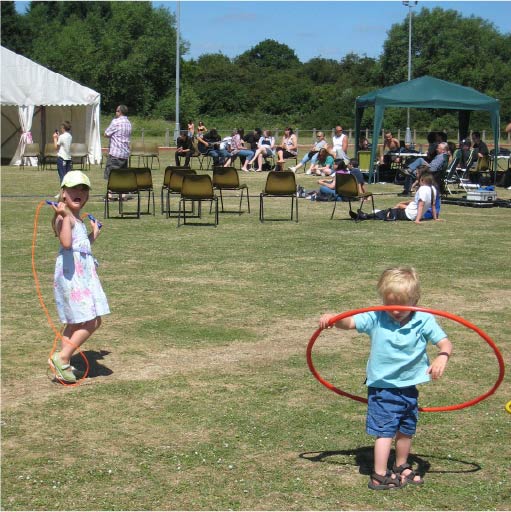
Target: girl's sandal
384,482
410,477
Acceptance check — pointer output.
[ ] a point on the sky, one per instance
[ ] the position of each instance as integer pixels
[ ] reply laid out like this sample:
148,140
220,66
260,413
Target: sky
327,29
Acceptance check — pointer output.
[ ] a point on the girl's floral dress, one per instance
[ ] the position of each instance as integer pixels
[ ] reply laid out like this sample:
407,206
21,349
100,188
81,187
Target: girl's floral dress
77,289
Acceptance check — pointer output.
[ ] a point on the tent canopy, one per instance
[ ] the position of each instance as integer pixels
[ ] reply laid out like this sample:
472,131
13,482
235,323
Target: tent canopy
426,92
33,97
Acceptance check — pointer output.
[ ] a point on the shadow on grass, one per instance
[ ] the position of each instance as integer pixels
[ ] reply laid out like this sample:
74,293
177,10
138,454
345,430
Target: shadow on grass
96,369
364,459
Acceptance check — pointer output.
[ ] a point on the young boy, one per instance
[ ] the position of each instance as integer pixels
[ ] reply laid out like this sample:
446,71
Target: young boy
397,363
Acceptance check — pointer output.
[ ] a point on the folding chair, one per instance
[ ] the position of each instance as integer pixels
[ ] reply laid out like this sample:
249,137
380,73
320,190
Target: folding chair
166,181
145,184
31,151
279,184
451,176
80,155
137,150
122,181
227,178
151,151
175,183
346,186
49,156
196,187
364,161
202,158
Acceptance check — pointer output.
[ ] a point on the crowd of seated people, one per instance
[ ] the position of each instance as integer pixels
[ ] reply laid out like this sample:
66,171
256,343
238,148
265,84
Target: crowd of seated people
257,146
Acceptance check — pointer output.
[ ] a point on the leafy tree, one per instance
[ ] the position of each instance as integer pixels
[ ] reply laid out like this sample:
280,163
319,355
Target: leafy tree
322,71
13,29
269,54
133,63
446,45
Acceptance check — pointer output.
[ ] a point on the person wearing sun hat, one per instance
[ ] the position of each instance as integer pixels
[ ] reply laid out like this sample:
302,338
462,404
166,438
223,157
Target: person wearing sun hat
79,296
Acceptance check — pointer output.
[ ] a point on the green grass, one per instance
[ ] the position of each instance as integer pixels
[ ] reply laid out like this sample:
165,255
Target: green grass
200,397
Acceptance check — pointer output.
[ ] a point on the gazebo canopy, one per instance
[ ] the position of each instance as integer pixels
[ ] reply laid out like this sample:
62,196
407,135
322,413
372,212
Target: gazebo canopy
427,92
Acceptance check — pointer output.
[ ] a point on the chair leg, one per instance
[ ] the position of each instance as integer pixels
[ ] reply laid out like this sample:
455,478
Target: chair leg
222,200
296,202
261,212
333,211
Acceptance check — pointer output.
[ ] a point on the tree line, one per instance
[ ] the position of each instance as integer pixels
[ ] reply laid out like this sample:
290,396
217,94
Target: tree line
127,52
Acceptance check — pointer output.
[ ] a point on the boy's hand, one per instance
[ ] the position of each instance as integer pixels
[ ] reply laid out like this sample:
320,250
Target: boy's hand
324,320
437,367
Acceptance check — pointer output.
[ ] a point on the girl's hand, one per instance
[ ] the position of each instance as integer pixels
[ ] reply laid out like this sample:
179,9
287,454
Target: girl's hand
60,209
324,320
95,227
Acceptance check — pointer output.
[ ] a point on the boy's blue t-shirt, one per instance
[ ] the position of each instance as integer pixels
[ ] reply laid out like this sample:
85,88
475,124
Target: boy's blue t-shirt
398,355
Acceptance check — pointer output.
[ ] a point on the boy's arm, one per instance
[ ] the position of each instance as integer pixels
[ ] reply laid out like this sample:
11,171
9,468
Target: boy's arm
345,323
437,367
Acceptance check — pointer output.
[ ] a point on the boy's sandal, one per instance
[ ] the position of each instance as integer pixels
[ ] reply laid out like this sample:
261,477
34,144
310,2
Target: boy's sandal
410,477
384,482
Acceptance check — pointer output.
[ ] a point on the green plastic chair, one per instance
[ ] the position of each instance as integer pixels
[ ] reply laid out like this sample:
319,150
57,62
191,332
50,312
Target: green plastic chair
227,178
197,188
279,184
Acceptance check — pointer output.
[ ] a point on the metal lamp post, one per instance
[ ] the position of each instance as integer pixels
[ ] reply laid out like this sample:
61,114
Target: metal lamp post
410,5
177,129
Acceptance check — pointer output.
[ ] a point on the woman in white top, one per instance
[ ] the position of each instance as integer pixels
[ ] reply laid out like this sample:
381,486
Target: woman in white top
288,147
62,143
265,148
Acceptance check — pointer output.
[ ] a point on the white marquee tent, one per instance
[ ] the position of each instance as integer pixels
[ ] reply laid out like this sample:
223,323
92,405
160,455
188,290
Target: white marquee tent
35,101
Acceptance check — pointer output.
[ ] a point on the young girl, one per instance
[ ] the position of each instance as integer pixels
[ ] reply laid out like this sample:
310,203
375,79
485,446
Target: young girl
424,197
79,296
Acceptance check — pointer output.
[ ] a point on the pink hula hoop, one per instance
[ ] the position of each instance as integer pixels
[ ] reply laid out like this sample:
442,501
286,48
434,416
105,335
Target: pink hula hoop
435,312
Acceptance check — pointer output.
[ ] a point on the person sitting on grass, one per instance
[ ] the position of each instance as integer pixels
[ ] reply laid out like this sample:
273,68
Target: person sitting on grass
324,165
416,209
397,363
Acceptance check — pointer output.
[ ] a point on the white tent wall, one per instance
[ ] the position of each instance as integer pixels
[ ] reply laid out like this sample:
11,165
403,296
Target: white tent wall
54,99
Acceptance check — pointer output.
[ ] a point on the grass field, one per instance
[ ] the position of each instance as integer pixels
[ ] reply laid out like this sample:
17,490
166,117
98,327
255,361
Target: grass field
199,396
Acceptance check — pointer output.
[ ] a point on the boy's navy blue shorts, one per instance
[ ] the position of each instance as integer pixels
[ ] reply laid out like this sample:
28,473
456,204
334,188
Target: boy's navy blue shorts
390,410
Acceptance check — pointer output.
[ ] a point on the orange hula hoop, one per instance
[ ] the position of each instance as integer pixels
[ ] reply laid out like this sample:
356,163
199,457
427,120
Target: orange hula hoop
58,334
435,312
